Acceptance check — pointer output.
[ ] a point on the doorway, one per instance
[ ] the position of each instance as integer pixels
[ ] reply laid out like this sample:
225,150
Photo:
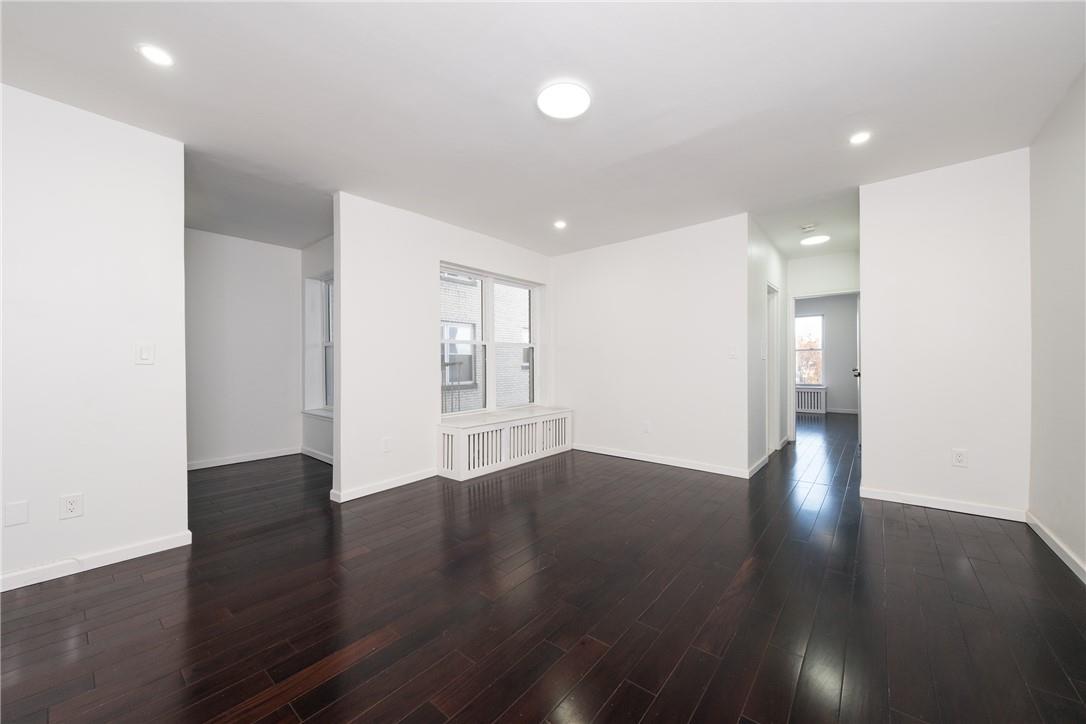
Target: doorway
826,357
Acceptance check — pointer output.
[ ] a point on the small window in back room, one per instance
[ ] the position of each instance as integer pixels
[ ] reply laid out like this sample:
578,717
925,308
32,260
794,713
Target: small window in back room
809,350
319,361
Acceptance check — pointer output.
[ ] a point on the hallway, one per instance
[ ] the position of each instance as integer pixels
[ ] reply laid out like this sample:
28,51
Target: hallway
579,588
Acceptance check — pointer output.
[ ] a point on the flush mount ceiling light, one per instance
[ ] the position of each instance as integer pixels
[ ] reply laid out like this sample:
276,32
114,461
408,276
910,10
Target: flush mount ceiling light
560,224
859,138
563,100
813,240
155,54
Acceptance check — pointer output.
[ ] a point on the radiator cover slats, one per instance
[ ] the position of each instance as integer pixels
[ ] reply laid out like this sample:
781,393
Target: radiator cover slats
811,400
468,451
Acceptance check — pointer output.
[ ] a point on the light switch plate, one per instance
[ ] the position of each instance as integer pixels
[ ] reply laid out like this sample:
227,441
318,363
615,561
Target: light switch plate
16,513
145,354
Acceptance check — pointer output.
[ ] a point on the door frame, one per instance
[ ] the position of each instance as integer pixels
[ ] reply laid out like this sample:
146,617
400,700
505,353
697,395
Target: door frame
791,351
774,370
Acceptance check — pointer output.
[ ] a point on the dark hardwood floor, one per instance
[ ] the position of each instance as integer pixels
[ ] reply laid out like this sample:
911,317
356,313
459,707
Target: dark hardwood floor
579,588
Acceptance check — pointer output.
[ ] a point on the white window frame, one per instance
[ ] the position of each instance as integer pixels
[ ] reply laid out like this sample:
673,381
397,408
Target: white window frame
446,383
822,348
490,345
328,290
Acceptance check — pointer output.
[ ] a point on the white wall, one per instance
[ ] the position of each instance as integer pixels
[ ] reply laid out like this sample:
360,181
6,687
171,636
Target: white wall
1057,500
317,263
318,259
946,336
387,262
827,274
839,347
93,265
765,266
243,312
651,347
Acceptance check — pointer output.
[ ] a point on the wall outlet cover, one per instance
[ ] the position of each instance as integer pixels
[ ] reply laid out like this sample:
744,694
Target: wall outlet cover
959,457
145,354
71,506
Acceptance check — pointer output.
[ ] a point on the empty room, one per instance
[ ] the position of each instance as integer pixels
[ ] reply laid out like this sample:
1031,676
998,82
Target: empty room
543,362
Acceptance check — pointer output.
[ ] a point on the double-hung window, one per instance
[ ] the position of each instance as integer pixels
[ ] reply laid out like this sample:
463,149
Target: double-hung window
486,326
319,361
809,350
328,304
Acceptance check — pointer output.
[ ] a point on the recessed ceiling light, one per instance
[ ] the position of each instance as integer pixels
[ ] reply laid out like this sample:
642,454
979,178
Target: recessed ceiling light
155,54
560,224
859,138
813,240
564,100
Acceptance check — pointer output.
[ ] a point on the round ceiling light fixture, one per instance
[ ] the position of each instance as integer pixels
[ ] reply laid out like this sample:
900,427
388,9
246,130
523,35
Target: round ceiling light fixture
154,54
564,100
859,138
814,240
560,224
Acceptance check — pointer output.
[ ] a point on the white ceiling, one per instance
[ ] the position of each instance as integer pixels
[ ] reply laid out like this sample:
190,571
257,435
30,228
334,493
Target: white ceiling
836,214
699,110
229,198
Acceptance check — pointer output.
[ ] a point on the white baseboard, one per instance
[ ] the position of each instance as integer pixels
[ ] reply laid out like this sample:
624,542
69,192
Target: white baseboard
1058,547
757,466
784,441
930,501
842,411
243,458
663,460
342,496
77,564
323,457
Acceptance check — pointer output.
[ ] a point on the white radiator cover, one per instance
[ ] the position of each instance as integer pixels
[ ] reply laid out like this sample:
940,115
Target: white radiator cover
811,399
479,443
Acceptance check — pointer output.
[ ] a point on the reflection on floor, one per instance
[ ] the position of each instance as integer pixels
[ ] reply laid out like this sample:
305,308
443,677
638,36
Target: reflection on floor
579,588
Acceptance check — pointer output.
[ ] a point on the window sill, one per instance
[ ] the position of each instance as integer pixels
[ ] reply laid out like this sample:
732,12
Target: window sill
321,412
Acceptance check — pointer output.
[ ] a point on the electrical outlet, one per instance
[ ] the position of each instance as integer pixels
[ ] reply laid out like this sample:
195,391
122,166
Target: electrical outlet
959,458
386,444
646,427
71,506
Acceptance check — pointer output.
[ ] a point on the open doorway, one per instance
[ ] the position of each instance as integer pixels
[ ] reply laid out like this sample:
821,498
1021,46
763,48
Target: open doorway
826,352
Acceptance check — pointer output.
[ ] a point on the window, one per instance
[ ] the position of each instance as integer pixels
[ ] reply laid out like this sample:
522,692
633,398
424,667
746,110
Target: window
458,360
512,341
809,350
463,355
328,302
486,323
319,335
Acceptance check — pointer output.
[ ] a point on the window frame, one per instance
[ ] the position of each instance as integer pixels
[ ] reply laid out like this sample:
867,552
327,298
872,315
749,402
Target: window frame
328,290
472,341
821,349
486,337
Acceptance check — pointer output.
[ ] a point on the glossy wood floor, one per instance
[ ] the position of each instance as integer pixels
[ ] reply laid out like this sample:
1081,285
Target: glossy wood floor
580,588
